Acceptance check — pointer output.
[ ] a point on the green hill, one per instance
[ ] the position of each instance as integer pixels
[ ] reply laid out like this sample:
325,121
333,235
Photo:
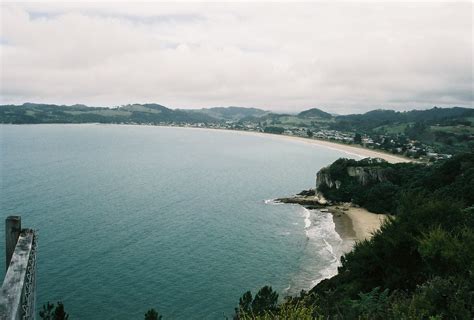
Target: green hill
232,113
314,113
376,118
134,113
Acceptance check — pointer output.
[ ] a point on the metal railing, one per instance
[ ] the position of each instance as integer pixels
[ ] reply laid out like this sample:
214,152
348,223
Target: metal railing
18,292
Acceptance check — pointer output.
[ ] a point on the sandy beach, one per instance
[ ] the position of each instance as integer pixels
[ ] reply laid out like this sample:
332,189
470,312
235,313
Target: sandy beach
352,150
355,224
349,149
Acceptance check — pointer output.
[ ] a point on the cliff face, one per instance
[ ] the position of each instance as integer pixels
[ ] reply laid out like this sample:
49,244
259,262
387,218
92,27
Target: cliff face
323,177
364,176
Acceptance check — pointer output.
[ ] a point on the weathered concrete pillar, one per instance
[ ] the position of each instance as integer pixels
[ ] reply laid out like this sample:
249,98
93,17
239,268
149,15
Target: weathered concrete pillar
12,232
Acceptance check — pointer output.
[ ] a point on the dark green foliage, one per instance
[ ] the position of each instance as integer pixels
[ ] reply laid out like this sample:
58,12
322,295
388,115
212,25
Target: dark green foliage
423,258
277,130
52,312
451,179
371,305
358,138
377,118
152,314
233,113
245,302
144,113
437,298
314,113
446,130
266,300
381,198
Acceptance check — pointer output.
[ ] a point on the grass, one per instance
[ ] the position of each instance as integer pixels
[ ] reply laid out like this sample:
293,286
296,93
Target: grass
460,129
109,113
392,129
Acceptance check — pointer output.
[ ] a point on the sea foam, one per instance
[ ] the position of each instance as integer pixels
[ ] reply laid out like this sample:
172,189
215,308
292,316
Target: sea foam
321,253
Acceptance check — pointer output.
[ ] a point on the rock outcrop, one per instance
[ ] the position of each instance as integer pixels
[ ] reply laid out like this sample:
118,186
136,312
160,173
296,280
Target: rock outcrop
365,175
308,198
344,172
323,177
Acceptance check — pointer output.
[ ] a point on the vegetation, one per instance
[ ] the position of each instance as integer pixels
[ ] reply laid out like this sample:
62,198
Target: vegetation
264,302
452,180
420,264
232,113
152,314
277,130
314,113
447,130
137,113
52,312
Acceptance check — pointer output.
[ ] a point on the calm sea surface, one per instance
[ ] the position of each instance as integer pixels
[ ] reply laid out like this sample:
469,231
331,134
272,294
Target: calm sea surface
135,217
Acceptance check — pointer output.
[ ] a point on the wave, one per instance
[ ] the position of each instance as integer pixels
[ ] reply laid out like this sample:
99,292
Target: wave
321,253
272,202
307,220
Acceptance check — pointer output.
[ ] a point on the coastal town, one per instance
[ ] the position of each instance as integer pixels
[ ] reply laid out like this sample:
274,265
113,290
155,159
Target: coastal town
394,144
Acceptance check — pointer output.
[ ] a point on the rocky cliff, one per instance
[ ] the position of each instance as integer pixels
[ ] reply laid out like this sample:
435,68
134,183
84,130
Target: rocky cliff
365,175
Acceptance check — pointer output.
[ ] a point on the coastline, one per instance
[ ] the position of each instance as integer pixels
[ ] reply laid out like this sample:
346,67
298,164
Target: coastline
353,150
349,149
358,151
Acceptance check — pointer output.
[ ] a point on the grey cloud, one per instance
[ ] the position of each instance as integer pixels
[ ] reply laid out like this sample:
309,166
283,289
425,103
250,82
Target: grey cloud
345,57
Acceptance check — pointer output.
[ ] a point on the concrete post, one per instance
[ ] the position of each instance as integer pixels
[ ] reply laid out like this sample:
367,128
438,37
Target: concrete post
12,232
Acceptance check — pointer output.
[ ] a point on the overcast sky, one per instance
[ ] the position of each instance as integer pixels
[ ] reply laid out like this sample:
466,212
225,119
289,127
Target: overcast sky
343,57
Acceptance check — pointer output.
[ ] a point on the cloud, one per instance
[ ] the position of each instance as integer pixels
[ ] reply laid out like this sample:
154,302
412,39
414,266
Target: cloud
343,57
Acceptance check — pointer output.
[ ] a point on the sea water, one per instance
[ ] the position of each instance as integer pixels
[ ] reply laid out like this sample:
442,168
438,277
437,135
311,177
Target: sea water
180,220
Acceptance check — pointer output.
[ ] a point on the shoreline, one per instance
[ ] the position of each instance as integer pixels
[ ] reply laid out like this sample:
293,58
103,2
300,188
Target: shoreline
358,151
354,150
354,223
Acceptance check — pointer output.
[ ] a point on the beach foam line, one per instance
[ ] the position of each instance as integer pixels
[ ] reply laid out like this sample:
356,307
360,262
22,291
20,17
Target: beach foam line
325,230
273,202
307,220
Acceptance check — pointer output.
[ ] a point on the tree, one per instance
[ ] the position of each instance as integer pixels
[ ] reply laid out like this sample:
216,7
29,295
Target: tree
357,138
264,301
245,303
309,133
152,314
51,312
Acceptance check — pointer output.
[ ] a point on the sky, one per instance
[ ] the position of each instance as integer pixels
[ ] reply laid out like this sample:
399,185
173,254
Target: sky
342,57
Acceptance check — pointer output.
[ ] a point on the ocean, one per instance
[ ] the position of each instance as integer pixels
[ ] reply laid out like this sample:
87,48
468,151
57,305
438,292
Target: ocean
180,220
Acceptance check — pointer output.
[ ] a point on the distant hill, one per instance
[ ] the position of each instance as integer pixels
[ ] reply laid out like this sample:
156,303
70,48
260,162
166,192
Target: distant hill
232,113
373,119
447,130
314,113
134,113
